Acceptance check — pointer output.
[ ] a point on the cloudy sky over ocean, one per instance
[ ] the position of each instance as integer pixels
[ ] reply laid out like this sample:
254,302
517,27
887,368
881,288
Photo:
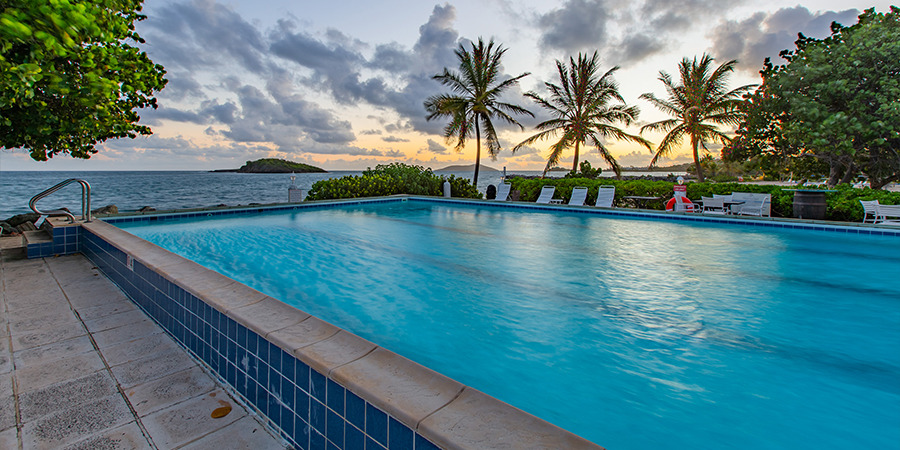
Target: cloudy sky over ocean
341,84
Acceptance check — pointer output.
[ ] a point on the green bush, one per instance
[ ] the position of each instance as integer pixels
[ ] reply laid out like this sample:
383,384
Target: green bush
391,179
841,206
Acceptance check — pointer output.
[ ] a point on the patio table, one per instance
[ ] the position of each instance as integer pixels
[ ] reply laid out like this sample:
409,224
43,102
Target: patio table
640,201
727,203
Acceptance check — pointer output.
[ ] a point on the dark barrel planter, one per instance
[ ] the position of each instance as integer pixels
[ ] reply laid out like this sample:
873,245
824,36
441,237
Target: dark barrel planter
809,204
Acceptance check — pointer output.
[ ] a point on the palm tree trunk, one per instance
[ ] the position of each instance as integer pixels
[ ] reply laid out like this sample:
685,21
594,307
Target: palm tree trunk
575,164
477,152
695,143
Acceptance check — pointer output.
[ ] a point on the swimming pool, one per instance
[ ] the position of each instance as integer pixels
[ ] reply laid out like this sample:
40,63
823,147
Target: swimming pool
632,333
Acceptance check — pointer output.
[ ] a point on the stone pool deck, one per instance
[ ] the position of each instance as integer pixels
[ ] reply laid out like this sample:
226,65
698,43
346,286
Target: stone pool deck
82,368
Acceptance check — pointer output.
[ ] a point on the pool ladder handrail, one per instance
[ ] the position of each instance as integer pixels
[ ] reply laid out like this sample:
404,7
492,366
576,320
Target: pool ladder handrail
85,200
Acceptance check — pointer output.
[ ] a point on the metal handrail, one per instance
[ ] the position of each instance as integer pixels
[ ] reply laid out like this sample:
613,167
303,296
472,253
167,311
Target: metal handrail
85,200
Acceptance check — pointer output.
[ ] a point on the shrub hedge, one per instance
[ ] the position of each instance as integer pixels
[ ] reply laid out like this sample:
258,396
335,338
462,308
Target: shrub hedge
391,179
842,205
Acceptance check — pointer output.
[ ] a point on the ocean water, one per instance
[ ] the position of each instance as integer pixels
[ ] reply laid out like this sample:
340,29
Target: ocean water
131,191
635,334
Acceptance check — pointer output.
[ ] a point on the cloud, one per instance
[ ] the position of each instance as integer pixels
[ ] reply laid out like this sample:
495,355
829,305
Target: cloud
337,68
764,35
624,32
526,150
179,147
253,84
434,147
680,15
202,33
577,25
181,86
635,159
584,26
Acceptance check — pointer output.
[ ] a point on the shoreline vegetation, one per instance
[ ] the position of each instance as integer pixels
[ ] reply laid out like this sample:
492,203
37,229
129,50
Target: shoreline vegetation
273,165
667,169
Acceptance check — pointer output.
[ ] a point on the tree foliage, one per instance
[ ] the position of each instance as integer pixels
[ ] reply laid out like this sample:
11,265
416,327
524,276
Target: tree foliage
836,100
477,90
698,104
68,78
583,111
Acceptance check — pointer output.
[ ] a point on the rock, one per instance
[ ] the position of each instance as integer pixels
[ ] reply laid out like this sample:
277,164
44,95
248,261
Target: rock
7,228
147,209
221,205
515,195
108,209
26,226
19,219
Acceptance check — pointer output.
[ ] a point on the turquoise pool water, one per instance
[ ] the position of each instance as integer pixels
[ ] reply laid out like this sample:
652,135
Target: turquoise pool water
636,334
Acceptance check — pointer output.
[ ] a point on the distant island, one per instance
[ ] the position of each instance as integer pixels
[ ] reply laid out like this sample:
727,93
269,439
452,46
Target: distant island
470,167
272,165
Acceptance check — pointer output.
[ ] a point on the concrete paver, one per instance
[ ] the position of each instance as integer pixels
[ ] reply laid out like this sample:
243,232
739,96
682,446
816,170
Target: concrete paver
51,352
73,424
83,368
42,375
48,336
5,355
143,347
245,434
9,439
118,335
164,392
114,321
125,437
152,367
66,395
106,309
185,422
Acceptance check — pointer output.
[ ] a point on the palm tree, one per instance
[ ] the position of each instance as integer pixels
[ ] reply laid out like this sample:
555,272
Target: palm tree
583,112
697,104
477,89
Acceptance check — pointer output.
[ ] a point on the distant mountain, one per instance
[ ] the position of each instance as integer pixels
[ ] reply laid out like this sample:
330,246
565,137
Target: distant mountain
469,168
272,165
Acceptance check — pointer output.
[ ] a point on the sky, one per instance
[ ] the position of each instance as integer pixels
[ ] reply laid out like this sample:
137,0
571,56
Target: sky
341,85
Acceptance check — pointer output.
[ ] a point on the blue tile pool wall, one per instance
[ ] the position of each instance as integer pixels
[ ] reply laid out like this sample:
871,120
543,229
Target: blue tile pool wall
310,410
66,241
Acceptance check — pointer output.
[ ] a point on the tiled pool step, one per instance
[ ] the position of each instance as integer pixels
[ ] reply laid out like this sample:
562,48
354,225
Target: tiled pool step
82,368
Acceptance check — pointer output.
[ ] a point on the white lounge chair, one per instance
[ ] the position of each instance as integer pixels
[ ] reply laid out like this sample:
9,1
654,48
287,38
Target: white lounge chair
889,214
713,205
729,209
579,195
605,196
546,194
754,208
750,199
503,191
871,209
685,206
